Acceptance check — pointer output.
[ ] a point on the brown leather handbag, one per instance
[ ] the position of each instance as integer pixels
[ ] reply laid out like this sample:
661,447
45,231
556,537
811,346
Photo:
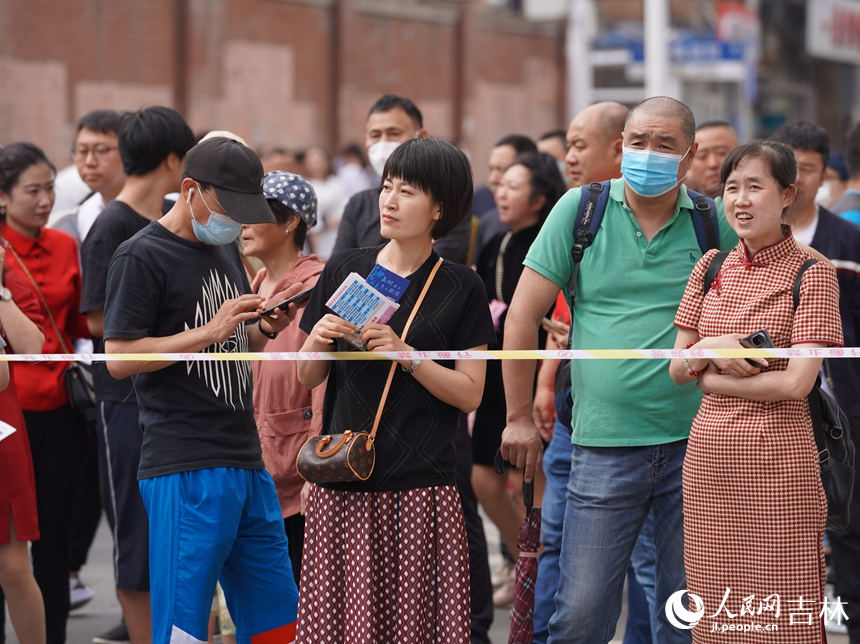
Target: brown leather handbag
341,458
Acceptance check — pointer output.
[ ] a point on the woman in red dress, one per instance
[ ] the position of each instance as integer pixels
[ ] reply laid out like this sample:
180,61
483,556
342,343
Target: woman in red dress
754,506
18,519
48,261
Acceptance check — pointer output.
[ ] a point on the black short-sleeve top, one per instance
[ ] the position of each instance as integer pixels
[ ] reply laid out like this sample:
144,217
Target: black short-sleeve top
414,444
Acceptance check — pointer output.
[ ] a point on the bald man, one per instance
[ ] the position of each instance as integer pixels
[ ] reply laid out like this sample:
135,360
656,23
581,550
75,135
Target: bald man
594,141
715,140
630,422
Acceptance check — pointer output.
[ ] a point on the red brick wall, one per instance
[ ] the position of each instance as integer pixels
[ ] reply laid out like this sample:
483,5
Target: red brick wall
276,71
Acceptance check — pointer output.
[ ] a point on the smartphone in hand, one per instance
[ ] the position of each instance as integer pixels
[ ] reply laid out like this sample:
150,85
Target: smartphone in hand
298,298
758,340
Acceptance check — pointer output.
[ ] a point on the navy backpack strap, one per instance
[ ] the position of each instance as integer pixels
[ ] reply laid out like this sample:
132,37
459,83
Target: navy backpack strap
713,270
705,221
592,204
797,280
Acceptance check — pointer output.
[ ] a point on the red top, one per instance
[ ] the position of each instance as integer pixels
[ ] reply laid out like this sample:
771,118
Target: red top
17,483
52,260
561,312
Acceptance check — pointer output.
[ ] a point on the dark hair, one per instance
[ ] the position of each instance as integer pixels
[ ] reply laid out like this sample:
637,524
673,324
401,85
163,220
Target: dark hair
852,150
104,121
778,157
554,134
148,137
282,216
390,101
354,150
545,179
837,162
522,144
17,158
716,123
667,107
440,170
803,135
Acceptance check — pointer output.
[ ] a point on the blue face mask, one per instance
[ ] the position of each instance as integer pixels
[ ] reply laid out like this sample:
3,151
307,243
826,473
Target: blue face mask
649,173
219,230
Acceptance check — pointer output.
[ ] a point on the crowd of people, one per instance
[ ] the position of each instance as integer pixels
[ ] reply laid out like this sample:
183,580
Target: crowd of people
660,476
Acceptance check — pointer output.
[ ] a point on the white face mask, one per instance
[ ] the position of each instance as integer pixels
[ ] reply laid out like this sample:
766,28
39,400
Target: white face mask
823,194
378,154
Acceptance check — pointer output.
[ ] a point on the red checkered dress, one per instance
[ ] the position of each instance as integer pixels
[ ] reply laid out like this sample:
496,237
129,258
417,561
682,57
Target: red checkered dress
754,507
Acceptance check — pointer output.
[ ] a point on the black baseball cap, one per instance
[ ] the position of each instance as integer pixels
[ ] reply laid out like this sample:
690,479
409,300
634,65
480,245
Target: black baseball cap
236,174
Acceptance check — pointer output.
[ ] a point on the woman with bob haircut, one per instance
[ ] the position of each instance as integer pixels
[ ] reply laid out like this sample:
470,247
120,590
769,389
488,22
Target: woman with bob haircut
387,559
754,506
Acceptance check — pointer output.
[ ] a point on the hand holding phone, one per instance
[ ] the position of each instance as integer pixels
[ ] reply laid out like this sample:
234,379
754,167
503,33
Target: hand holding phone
298,298
758,340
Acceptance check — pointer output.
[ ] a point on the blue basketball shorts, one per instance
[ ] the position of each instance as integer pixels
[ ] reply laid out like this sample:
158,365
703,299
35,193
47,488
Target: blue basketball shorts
220,524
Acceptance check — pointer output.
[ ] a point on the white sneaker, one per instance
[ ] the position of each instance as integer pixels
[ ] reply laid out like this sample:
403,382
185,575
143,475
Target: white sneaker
500,575
504,595
78,593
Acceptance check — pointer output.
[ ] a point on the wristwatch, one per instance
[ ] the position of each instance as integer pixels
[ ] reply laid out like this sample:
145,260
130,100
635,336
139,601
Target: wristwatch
412,367
271,336
5,294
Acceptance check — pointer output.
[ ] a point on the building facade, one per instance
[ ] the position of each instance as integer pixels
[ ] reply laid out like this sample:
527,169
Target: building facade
280,72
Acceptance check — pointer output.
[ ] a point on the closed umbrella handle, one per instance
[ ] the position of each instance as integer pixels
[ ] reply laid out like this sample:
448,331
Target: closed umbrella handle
528,488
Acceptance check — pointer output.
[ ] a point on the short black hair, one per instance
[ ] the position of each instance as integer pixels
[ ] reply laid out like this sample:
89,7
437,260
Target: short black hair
440,170
282,216
545,179
852,151
389,102
17,158
149,136
668,107
104,121
554,134
522,144
778,157
802,135
715,123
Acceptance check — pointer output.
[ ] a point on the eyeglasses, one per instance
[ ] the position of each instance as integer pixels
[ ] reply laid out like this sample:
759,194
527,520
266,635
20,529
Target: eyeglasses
99,152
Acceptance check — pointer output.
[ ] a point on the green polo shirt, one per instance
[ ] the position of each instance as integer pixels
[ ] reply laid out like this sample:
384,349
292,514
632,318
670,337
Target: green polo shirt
627,292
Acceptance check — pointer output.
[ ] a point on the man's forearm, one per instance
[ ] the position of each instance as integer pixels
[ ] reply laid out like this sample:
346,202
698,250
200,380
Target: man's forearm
190,341
519,375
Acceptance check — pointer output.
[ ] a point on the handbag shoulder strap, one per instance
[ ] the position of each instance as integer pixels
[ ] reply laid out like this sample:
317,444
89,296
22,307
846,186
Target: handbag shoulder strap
9,247
391,371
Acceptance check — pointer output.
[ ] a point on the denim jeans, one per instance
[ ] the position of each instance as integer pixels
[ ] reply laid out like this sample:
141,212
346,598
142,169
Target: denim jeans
639,629
556,466
641,612
609,494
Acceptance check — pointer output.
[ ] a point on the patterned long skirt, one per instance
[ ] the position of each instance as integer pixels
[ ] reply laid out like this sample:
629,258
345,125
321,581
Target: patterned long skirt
385,568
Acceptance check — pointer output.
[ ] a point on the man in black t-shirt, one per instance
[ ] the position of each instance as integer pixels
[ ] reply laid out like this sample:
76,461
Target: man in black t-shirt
178,286
152,144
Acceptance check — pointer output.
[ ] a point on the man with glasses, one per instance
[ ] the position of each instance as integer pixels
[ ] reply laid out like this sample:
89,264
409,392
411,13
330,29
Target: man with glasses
96,157
97,160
